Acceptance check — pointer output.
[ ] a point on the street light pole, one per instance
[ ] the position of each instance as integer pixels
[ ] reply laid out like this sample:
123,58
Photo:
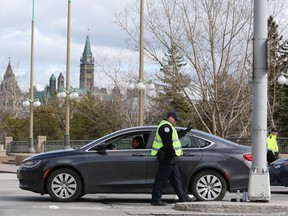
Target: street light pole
67,111
141,75
31,142
259,183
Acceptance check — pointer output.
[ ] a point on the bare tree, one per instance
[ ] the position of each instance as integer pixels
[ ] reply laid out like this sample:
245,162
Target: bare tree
110,108
214,38
118,76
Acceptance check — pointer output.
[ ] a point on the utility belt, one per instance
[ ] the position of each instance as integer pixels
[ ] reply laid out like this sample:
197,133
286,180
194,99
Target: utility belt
163,156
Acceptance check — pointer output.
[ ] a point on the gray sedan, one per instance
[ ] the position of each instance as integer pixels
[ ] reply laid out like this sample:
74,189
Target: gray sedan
210,166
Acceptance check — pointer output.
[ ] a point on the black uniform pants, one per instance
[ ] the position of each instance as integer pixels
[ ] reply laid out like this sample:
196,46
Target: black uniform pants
272,156
168,171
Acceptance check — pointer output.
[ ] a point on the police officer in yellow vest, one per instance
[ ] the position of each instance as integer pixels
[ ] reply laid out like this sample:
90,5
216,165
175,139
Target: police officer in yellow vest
272,146
167,148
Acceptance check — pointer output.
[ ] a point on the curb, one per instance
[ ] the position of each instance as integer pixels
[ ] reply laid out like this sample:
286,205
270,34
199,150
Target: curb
260,208
12,172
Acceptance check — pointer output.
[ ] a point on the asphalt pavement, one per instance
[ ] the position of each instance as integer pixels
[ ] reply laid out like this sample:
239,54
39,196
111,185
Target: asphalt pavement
225,207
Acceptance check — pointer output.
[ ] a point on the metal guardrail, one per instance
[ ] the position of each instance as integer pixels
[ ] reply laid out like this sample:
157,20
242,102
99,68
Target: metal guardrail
282,143
22,146
19,147
59,144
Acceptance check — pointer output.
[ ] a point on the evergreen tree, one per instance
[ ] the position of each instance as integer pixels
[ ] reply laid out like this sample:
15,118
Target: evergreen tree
171,82
281,111
278,59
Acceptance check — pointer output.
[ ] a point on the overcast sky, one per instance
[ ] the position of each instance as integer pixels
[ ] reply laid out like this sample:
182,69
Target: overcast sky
50,41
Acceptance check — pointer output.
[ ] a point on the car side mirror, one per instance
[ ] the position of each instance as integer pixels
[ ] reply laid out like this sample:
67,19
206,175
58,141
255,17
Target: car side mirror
100,148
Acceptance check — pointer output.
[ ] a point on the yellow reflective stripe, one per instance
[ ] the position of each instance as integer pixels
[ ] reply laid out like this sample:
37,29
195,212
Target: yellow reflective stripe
157,140
155,149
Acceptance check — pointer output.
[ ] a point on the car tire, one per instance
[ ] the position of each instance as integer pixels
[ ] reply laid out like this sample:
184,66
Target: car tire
64,185
209,185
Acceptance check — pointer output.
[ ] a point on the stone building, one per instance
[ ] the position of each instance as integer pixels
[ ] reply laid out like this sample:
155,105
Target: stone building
11,97
86,81
87,68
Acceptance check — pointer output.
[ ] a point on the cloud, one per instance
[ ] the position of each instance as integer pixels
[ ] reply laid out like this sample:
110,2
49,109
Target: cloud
50,36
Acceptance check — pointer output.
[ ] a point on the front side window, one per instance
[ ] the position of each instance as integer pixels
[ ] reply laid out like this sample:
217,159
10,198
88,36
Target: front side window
128,141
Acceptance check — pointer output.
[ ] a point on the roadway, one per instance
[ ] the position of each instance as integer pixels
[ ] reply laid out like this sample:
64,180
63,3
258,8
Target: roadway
14,201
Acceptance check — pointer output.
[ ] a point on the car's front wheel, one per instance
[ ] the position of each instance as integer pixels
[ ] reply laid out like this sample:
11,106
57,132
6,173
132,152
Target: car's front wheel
209,185
64,185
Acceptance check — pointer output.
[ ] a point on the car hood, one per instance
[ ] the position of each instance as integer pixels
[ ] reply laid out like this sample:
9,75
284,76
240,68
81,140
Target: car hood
50,154
279,161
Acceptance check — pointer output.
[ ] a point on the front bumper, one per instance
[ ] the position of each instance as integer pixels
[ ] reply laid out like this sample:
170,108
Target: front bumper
31,179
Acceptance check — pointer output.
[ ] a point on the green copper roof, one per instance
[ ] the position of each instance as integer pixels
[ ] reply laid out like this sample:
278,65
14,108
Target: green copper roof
53,77
87,49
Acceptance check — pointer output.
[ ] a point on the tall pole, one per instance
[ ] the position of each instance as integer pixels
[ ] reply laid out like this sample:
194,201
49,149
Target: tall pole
141,75
259,183
67,111
31,142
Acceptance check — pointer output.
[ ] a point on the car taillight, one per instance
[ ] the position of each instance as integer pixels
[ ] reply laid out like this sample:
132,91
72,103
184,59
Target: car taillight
248,157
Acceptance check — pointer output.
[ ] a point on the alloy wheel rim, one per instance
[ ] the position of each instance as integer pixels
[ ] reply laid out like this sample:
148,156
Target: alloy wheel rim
64,185
209,187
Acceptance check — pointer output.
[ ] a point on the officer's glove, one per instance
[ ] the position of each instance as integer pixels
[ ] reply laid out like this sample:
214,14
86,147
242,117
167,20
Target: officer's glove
189,127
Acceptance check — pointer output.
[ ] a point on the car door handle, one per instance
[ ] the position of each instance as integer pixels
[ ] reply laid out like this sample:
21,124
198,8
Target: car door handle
190,154
139,155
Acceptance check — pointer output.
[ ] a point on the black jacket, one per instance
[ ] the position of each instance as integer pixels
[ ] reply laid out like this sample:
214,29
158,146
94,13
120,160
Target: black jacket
165,132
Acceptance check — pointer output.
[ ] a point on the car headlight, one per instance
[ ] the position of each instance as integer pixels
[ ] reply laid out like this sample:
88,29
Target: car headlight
277,166
30,163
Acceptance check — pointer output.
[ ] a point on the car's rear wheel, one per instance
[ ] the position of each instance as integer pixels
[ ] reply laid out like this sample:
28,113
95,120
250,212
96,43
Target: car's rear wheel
208,185
64,185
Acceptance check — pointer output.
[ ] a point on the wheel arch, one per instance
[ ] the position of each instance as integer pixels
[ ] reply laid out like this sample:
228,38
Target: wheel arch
225,177
63,167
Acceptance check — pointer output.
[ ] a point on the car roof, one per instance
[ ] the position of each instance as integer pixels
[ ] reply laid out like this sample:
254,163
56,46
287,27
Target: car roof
151,128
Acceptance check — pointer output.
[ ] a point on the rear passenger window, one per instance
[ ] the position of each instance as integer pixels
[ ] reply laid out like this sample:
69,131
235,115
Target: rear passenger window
202,142
188,142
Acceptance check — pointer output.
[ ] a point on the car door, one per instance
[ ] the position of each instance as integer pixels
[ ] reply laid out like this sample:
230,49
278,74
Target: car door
119,168
192,154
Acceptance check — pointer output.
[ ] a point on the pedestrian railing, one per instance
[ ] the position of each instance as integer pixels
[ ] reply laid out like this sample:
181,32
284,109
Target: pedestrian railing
22,146
19,147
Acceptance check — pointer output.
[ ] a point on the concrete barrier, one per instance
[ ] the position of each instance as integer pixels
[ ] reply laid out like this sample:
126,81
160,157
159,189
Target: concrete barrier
5,158
19,158
2,150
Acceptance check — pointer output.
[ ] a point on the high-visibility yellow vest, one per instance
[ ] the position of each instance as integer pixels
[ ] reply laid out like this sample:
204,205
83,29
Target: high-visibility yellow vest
272,143
157,144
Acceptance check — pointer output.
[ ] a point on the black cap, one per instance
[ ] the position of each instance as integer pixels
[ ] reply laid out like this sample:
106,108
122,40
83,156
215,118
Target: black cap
175,115
274,130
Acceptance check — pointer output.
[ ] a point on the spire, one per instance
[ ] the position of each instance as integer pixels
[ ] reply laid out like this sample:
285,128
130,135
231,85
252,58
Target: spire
9,78
9,71
52,77
87,49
